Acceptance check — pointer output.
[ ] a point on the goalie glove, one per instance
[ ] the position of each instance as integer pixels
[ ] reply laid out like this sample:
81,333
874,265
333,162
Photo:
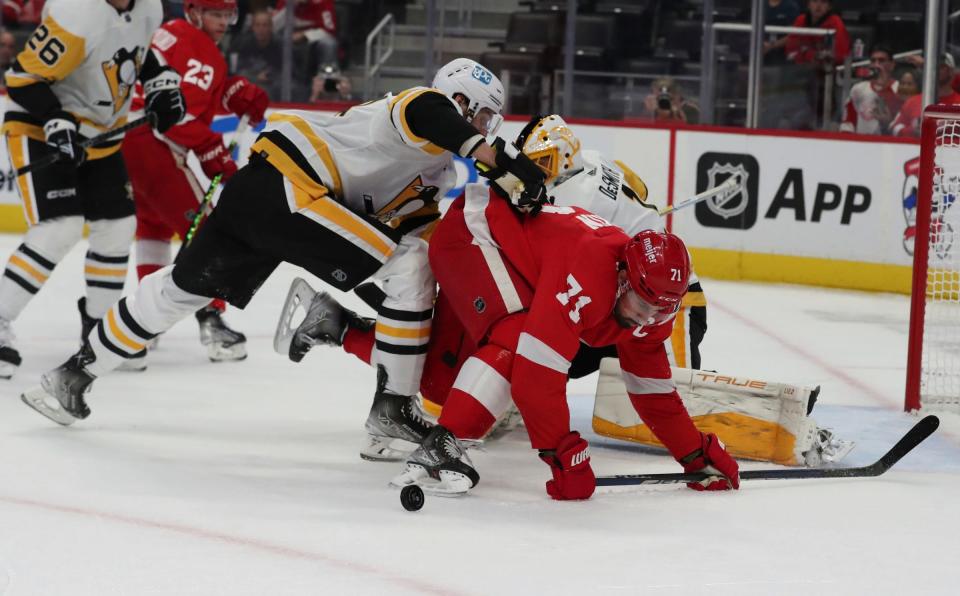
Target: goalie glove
516,178
573,477
712,459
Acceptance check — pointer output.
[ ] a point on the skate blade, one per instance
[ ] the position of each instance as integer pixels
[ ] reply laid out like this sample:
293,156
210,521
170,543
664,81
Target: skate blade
298,298
221,353
451,484
43,402
386,449
133,364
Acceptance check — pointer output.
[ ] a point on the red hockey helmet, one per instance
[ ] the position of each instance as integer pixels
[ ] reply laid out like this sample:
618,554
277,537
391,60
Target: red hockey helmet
658,270
211,5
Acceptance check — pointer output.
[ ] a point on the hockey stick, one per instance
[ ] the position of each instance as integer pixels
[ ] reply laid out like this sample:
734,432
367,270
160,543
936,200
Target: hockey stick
55,157
208,196
726,189
916,435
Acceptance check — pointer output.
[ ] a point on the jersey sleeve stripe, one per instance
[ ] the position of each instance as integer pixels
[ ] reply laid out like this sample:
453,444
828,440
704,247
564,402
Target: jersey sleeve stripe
540,353
646,386
53,56
311,146
474,212
398,113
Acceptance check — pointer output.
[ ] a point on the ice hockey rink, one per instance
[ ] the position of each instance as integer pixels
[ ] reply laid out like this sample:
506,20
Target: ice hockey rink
244,478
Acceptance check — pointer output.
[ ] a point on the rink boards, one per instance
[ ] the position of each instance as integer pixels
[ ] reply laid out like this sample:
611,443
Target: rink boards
817,208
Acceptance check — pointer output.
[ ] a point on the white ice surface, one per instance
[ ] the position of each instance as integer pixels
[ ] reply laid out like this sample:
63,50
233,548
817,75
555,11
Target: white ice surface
244,478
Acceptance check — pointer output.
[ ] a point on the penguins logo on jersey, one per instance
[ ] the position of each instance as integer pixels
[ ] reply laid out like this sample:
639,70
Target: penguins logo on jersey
415,200
121,73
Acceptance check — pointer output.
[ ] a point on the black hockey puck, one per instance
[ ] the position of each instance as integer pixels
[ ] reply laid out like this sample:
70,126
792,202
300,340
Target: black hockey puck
411,497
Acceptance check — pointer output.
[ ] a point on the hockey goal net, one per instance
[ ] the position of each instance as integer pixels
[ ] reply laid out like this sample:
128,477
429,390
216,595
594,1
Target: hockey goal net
933,358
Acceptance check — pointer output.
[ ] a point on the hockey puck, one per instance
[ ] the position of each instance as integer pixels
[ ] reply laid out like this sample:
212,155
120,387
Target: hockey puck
411,497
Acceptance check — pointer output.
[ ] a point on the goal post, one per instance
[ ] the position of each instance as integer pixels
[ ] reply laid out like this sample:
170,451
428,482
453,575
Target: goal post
933,354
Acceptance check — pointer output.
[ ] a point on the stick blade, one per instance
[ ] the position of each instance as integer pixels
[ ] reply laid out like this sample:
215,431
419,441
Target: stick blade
916,435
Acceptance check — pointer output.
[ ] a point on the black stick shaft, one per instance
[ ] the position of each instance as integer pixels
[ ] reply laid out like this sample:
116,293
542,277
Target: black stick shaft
55,157
916,435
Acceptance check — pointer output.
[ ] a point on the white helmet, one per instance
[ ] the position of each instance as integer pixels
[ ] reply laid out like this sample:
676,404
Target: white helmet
549,143
479,86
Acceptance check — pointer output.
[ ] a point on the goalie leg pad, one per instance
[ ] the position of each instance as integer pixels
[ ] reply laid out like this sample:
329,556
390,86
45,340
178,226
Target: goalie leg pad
755,419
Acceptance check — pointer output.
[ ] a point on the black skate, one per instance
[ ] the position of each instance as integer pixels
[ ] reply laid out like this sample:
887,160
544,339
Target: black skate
61,391
136,363
440,466
325,323
223,343
393,418
9,356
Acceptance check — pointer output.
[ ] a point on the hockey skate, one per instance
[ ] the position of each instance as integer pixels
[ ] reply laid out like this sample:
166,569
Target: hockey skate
440,466
136,363
223,343
325,321
396,424
9,356
61,391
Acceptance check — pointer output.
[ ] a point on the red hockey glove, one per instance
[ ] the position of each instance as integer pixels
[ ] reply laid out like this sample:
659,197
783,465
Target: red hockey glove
215,159
244,98
711,458
570,463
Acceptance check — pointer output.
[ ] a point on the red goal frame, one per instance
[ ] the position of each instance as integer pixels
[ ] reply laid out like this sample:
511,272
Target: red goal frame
932,115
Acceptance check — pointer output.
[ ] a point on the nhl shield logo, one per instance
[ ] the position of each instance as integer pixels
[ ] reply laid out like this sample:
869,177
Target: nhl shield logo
339,275
738,211
479,304
736,203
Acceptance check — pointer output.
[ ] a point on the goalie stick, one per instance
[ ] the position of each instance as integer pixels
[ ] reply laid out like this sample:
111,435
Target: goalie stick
916,435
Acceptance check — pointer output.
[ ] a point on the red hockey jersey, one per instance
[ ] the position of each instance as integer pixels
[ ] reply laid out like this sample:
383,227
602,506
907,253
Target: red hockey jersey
194,55
570,256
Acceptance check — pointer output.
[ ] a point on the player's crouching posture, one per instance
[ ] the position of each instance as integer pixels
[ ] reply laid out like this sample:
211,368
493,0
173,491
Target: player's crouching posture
74,79
166,192
529,290
344,197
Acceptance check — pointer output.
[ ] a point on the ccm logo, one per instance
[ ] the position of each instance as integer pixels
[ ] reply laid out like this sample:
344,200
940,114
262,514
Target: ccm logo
721,380
62,194
580,457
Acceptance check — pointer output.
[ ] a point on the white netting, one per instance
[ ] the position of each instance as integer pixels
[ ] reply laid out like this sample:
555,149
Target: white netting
940,366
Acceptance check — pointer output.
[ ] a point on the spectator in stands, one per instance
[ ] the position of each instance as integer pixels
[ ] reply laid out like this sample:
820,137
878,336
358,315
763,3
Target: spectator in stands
330,85
909,84
907,122
11,12
807,49
665,103
781,13
315,22
8,50
258,56
873,102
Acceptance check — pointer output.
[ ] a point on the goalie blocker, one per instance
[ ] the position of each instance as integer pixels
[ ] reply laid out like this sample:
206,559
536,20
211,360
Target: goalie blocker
755,419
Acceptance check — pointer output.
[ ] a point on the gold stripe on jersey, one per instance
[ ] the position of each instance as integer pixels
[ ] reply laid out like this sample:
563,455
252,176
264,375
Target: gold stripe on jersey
17,147
316,145
635,183
52,52
404,98
12,126
278,158
348,224
678,338
427,232
17,79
